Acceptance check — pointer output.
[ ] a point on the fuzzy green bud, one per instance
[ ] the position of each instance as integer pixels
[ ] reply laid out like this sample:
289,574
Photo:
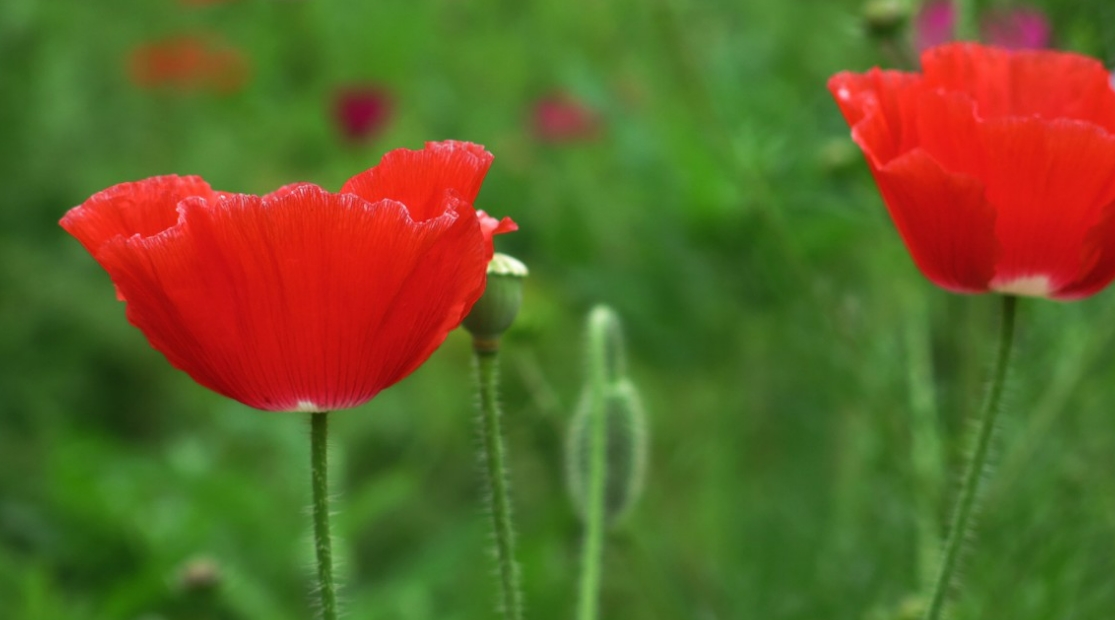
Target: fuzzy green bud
838,155
496,309
199,574
885,19
607,435
606,334
625,450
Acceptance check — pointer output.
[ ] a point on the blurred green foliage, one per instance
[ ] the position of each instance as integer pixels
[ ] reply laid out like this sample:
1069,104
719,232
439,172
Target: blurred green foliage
786,347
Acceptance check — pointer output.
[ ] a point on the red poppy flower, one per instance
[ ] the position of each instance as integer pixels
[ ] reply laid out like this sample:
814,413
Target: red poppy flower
362,111
187,63
997,167
561,118
302,299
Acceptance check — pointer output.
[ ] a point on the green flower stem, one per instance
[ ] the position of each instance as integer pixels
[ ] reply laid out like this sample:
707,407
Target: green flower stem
961,519
966,20
592,550
319,466
498,486
926,457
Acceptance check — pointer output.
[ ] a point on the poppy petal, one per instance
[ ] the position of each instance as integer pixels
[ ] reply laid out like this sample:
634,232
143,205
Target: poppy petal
490,226
873,105
938,209
1050,191
1024,83
419,178
300,300
947,225
1099,260
144,208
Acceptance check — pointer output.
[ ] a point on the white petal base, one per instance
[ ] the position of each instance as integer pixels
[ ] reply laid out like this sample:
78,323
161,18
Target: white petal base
1029,286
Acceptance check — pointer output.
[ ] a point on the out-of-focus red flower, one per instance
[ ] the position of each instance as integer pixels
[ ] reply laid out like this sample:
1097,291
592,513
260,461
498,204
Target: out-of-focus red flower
997,166
362,112
302,299
562,118
187,63
1014,28
202,2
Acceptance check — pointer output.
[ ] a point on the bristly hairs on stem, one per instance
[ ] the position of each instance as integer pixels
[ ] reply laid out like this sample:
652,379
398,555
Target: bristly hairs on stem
961,525
498,487
605,450
323,543
488,319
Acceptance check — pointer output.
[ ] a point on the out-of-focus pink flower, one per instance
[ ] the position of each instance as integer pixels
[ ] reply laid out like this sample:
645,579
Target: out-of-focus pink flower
187,63
1020,28
361,112
935,24
562,118
1015,28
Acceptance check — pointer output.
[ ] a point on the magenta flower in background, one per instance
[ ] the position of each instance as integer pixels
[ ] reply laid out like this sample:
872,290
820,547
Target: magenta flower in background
1021,28
935,24
361,112
563,118
1014,28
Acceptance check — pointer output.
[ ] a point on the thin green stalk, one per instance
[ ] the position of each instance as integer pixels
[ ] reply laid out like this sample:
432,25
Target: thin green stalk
926,457
499,495
592,550
961,519
319,466
1083,346
966,29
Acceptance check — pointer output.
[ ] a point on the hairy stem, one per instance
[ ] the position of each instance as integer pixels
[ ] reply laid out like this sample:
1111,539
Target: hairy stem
602,326
961,524
319,466
499,495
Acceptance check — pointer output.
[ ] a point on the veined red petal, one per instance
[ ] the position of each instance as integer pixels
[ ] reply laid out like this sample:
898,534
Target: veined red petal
1041,83
420,178
872,103
490,226
1013,150
303,299
143,208
1098,260
1051,182
938,209
947,225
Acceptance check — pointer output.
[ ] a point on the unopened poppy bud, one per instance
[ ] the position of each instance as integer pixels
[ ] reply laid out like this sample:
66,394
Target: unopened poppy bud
838,155
606,332
884,19
496,309
911,608
625,450
199,573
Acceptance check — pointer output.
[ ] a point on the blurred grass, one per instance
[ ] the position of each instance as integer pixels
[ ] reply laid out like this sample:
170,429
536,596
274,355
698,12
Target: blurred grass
773,318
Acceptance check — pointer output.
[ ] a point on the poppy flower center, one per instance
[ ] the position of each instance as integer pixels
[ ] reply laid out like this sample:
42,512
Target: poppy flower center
1030,286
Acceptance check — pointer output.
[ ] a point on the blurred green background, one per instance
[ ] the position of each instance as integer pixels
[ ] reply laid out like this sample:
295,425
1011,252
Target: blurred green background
807,389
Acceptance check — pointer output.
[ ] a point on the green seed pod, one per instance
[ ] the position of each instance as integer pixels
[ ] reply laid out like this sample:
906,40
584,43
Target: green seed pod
496,309
625,449
885,19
